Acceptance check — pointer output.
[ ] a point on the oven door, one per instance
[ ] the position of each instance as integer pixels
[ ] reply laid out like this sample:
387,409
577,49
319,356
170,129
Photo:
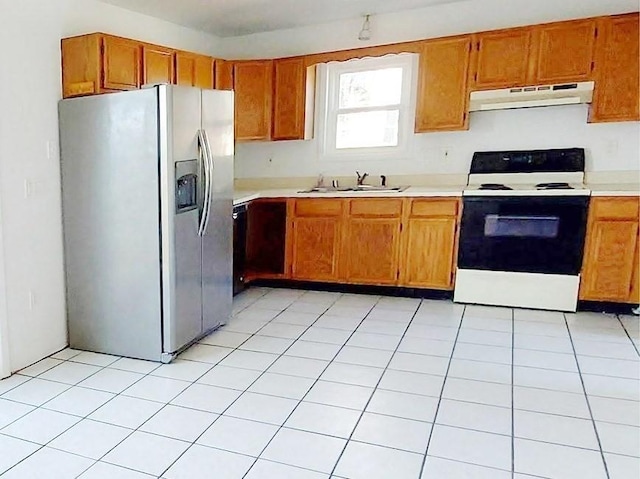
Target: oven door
530,234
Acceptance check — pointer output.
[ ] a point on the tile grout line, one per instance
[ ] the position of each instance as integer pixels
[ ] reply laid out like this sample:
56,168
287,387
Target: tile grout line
586,397
446,376
42,446
375,388
262,373
513,441
314,383
633,343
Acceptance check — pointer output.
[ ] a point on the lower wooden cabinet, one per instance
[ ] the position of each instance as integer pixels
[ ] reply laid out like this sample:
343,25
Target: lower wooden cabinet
375,241
430,244
610,264
372,241
316,228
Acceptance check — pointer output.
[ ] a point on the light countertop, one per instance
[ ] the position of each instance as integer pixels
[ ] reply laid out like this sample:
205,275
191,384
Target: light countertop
617,189
244,196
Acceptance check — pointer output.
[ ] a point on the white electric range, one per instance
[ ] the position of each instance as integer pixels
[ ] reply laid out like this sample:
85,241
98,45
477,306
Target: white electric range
522,229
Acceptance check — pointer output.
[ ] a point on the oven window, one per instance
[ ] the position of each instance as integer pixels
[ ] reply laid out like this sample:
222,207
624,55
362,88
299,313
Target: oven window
521,226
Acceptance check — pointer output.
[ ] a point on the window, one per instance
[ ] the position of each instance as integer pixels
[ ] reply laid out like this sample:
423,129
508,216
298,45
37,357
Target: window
368,107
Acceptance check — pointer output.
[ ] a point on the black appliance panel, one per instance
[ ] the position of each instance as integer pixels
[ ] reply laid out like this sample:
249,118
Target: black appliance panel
528,161
239,247
523,234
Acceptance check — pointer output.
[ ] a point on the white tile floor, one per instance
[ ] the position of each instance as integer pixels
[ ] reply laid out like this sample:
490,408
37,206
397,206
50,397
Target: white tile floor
318,385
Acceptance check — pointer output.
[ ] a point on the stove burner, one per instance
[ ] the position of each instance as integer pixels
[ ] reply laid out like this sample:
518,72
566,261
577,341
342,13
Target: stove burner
494,186
554,186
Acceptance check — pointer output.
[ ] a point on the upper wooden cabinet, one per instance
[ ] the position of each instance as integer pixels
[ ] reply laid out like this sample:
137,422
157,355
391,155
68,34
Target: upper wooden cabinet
157,65
253,82
372,240
429,243
99,63
565,51
442,85
610,265
224,75
194,70
617,77
120,64
292,99
502,58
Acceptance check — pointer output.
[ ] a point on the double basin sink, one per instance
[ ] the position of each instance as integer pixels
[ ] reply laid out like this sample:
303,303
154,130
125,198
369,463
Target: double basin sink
358,188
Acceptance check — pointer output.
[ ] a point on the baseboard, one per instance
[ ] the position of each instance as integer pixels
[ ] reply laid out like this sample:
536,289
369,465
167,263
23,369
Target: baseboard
355,288
606,307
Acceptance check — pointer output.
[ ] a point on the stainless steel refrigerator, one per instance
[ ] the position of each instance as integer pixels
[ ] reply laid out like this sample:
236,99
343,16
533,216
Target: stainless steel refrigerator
147,195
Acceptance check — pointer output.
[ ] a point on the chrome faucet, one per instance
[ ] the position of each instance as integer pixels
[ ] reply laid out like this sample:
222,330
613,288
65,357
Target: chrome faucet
361,178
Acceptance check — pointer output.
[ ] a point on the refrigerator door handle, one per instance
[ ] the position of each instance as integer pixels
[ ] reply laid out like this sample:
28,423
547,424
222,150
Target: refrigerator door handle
204,158
209,197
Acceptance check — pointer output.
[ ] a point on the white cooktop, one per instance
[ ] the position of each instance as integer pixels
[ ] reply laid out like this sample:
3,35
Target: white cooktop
524,184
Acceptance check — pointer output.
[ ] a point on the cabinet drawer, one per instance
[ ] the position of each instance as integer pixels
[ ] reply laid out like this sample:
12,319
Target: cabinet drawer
427,208
376,207
615,208
318,207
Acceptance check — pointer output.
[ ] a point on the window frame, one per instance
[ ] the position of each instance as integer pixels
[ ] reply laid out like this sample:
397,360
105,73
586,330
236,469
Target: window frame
329,84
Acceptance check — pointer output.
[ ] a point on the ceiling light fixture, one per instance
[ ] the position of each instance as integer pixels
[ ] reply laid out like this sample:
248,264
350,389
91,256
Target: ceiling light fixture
365,33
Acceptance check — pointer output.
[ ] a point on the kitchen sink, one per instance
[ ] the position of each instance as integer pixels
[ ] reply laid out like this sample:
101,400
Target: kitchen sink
359,188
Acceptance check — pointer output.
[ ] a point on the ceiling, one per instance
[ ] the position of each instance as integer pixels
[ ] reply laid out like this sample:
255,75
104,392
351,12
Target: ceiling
227,18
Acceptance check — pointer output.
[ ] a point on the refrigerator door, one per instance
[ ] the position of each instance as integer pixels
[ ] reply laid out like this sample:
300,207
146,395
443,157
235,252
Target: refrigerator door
217,241
180,172
109,165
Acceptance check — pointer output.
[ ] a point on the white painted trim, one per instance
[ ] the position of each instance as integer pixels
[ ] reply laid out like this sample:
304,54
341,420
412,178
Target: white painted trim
328,109
5,364
520,290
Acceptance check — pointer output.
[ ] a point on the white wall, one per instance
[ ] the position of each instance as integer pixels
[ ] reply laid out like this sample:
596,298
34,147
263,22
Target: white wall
431,22
30,33
610,146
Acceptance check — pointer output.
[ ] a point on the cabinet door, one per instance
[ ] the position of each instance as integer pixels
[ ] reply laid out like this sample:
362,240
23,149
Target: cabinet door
565,51
316,243
372,250
372,241
289,99
194,70
253,86
442,89
157,65
203,72
502,58
617,91
120,64
430,251
185,69
608,264
634,295
223,75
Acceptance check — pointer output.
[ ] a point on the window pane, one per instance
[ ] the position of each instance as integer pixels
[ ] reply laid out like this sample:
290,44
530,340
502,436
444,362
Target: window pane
368,129
371,88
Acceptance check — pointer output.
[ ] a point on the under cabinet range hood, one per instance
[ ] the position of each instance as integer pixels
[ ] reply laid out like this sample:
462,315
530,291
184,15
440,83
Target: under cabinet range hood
532,96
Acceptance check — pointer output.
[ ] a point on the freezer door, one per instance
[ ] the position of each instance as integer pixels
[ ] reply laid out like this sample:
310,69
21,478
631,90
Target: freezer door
217,241
180,174
109,163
